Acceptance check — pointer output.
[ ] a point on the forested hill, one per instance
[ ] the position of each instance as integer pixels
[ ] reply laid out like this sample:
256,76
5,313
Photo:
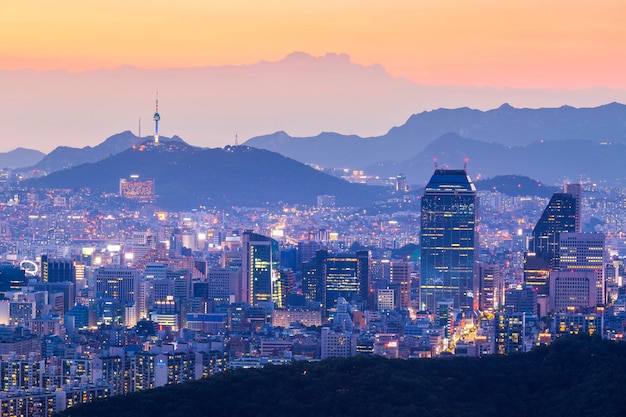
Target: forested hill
578,376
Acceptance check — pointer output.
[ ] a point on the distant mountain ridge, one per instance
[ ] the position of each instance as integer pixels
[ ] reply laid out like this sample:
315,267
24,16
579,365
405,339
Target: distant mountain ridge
505,125
20,157
187,177
64,157
551,162
298,93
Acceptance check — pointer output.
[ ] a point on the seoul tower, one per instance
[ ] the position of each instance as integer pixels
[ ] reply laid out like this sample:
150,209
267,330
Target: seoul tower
156,119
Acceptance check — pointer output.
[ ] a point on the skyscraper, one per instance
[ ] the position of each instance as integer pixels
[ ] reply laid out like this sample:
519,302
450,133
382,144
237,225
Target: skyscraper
448,240
400,274
558,217
57,269
576,191
585,252
328,276
491,287
116,283
562,215
260,265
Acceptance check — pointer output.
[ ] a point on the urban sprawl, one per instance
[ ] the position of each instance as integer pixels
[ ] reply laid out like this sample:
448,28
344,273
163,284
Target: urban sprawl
102,301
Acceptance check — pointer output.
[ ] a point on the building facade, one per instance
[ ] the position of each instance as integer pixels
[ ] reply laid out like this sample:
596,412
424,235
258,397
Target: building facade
448,240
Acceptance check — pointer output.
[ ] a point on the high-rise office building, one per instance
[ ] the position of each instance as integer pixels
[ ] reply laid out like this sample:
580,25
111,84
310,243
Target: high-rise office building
521,299
448,240
491,287
576,191
218,287
585,252
116,283
561,215
400,274
260,266
306,251
572,290
329,276
57,269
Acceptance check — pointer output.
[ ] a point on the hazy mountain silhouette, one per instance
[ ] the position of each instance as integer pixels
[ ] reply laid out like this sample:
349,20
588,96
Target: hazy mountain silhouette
187,177
64,157
550,162
20,157
505,125
300,94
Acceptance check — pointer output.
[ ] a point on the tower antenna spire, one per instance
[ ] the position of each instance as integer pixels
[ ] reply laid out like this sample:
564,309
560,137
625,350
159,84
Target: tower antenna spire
156,119
139,134
236,139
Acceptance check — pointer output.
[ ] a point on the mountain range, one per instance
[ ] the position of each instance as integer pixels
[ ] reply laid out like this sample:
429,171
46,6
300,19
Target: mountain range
187,176
549,145
507,126
208,106
551,162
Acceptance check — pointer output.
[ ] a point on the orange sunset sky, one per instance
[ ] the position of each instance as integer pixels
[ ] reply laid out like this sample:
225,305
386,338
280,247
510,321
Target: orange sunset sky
74,72
568,44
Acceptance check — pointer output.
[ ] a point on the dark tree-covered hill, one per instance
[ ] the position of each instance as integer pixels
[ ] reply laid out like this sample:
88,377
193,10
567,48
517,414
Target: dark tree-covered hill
187,177
574,377
516,185
63,157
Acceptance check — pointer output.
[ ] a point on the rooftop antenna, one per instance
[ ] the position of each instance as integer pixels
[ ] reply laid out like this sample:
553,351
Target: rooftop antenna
236,139
465,164
139,127
435,162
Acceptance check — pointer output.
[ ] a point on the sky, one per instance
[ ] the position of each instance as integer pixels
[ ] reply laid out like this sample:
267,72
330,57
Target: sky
554,45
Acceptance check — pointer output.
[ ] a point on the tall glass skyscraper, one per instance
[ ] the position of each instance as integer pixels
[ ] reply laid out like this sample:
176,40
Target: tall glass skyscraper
448,240
562,215
260,269
328,277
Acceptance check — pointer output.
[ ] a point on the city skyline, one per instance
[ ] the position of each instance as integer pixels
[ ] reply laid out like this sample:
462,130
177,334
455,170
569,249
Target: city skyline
163,255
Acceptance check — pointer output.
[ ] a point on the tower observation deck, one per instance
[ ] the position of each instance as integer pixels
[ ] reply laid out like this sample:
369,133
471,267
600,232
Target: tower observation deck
156,118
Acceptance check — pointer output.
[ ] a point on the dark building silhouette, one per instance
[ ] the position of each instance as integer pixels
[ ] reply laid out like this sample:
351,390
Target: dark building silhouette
306,251
329,276
558,217
522,299
68,290
57,269
448,240
561,215
11,277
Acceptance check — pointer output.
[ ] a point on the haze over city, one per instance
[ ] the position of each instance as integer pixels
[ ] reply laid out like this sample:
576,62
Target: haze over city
74,73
